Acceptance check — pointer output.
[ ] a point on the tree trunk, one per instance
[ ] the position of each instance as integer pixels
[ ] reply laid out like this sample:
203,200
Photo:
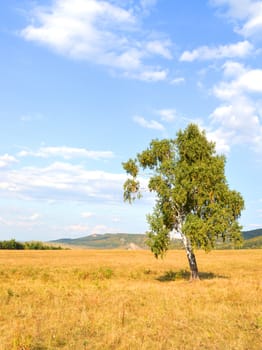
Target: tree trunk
191,258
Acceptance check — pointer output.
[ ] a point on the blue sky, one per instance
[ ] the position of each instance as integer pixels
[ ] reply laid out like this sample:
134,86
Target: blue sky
86,84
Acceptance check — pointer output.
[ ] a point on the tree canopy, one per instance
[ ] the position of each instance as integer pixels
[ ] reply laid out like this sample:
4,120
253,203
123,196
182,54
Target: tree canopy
193,197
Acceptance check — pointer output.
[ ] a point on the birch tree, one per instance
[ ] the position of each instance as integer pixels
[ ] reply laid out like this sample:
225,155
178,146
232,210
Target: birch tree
193,197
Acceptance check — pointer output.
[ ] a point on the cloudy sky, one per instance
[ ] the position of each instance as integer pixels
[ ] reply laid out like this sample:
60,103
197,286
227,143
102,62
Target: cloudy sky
86,84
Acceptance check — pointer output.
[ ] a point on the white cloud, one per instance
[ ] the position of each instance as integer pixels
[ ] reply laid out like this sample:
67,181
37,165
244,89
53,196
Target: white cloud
87,215
251,81
34,217
62,181
155,75
240,49
178,81
148,124
7,186
254,226
221,139
4,221
238,117
235,8
161,48
233,69
6,160
167,115
245,81
66,153
246,13
100,32
77,228
253,25
148,3
101,229
116,219
26,222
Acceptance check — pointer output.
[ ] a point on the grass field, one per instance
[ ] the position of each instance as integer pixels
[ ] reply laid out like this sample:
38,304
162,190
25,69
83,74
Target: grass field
82,299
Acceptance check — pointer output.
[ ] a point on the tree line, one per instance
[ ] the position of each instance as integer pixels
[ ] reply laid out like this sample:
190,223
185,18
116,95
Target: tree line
32,245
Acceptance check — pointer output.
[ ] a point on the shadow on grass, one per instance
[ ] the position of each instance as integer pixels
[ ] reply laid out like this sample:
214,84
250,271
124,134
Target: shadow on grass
185,275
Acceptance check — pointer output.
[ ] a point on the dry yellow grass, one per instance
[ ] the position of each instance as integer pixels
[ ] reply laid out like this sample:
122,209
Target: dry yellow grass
88,300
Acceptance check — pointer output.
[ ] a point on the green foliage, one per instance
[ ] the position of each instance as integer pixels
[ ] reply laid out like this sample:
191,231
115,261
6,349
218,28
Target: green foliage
193,197
11,244
158,243
33,245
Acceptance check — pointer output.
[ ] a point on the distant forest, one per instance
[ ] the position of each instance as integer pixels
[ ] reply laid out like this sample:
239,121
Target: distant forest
33,245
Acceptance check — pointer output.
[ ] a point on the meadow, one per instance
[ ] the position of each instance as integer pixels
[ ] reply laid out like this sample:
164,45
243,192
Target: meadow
90,300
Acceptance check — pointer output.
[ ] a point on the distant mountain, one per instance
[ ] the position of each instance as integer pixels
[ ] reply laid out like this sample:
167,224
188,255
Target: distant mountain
129,241
252,240
252,233
107,241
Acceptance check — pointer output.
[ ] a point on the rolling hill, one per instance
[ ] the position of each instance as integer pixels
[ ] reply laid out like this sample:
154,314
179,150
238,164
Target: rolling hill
252,233
129,241
107,241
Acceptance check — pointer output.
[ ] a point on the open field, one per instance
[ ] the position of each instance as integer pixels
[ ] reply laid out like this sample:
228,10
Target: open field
89,300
